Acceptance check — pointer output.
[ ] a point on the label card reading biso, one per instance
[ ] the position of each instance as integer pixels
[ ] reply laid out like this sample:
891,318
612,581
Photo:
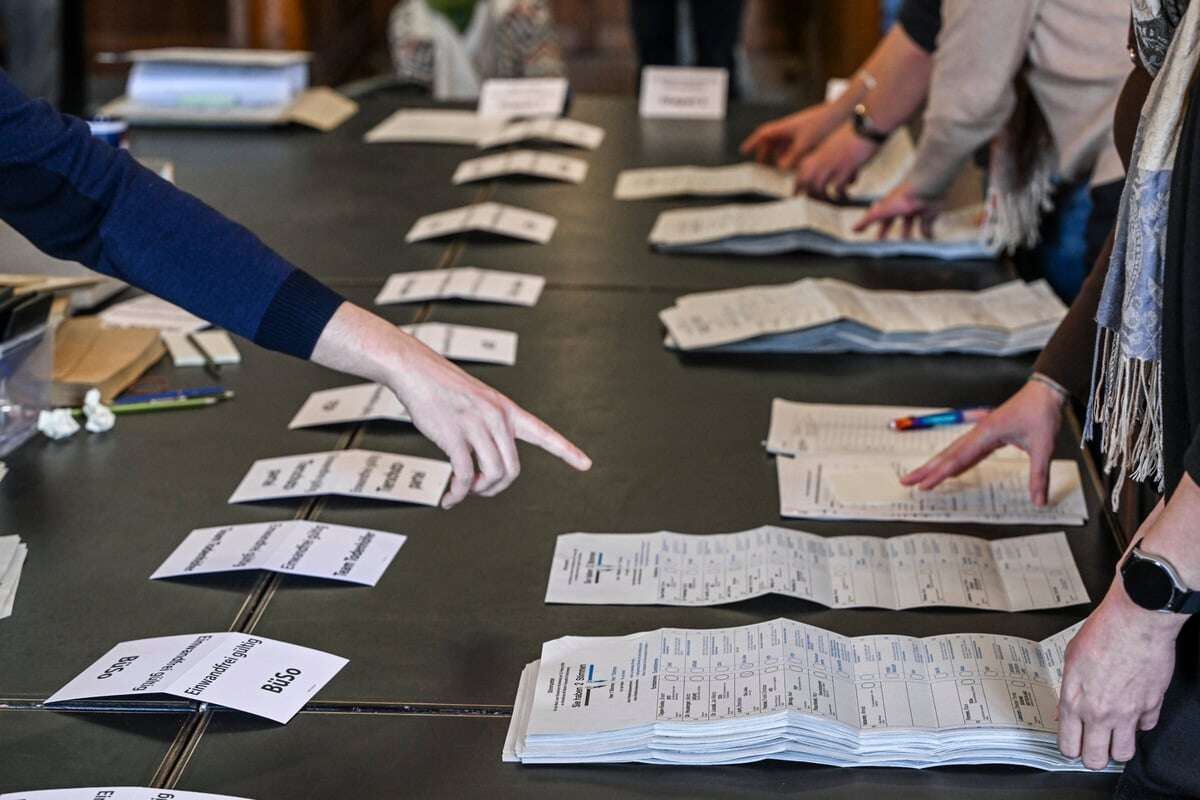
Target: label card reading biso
246,673
684,93
351,473
295,547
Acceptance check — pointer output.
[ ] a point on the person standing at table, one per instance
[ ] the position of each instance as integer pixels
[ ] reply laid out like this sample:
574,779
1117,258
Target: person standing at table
1131,681
1043,100
716,32
79,199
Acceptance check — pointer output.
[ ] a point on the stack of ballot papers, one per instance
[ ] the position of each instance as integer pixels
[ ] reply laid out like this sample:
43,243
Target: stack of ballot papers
439,126
148,311
522,162
802,223
496,218
790,691
349,473
844,462
823,315
12,561
879,177
462,283
115,793
918,570
363,402
466,342
247,673
291,547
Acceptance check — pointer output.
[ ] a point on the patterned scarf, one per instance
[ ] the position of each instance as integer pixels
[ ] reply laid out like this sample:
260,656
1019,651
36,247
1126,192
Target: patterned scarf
1126,396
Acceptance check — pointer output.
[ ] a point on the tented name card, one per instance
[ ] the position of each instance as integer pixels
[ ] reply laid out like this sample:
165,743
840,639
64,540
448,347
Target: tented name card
115,793
247,673
496,218
363,402
462,283
522,97
13,553
684,93
293,547
522,162
918,570
466,342
569,132
349,473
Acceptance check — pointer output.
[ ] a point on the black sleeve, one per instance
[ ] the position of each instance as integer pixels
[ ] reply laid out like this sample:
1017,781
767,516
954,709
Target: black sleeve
922,21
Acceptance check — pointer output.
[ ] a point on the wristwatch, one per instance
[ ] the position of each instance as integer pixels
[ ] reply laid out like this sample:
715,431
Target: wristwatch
865,127
1152,583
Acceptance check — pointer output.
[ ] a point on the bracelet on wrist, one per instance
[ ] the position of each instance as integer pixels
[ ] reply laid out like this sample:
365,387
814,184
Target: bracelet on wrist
1049,382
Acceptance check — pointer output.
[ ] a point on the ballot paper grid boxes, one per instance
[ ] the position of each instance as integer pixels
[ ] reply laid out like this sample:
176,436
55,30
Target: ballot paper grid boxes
26,370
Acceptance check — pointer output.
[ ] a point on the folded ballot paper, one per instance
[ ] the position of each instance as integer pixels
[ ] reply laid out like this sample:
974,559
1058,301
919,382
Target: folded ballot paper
12,560
522,162
462,283
794,692
466,342
817,315
349,473
844,462
246,673
115,793
441,126
362,402
918,570
802,223
496,218
879,177
291,547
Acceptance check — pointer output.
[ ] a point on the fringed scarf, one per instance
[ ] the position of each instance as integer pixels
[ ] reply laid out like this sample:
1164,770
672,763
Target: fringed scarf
1126,396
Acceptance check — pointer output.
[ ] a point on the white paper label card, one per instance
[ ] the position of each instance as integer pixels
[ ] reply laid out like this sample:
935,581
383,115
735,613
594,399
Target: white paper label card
522,97
462,283
522,162
115,793
684,93
350,473
466,342
247,673
494,218
363,402
557,131
295,547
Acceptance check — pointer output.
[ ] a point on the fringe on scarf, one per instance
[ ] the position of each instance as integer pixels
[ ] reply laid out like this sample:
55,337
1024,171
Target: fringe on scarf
1014,217
1127,405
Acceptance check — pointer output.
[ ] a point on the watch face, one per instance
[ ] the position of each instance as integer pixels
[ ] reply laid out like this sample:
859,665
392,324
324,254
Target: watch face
1148,584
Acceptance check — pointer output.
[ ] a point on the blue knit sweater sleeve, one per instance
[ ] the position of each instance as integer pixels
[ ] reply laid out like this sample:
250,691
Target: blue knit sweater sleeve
79,199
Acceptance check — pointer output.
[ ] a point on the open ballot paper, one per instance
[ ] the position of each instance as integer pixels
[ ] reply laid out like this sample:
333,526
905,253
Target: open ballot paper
522,162
867,487
802,223
293,547
439,126
246,673
816,315
363,402
350,473
497,218
12,560
462,283
115,793
879,177
466,342
522,97
683,93
914,571
794,692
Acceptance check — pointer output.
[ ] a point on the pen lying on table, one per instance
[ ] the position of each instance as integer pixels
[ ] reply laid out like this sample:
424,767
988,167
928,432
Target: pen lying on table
174,394
955,416
164,405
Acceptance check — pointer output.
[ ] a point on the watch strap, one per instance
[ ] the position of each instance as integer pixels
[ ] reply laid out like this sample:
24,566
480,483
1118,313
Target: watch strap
1190,603
864,128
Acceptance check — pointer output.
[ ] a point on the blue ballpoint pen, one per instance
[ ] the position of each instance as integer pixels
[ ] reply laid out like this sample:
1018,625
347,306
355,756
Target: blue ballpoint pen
955,416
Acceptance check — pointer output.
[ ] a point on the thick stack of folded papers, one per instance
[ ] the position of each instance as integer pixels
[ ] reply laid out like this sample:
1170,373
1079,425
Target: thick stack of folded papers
830,316
12,559
789,691
801,223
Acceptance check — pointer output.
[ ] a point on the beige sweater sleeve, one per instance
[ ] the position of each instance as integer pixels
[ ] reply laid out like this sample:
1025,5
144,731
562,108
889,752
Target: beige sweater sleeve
981,48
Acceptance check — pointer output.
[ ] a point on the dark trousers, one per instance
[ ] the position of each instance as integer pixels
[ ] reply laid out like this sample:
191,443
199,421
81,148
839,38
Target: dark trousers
717,25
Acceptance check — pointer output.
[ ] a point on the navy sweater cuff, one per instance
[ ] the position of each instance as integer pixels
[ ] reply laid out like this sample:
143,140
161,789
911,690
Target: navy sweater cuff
297,315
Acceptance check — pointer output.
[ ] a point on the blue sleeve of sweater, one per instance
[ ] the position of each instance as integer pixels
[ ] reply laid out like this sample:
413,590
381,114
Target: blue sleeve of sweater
77,198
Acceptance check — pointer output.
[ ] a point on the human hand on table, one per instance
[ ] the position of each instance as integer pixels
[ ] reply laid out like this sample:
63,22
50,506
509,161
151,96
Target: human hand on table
828,170
473,424
784,141
1029,420
902,203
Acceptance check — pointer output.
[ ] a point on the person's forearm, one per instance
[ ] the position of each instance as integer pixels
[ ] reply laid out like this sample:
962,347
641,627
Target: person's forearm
902,70
892,55
363,344
1174,534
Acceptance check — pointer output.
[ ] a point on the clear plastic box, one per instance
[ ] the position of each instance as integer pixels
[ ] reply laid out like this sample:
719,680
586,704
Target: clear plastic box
26,372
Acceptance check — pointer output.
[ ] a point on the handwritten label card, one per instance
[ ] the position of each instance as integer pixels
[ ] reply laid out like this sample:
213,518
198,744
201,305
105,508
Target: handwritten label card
350,473
294,547
466,342
684,93
522,162
462,283
247,673
497,218
522,97
362,402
